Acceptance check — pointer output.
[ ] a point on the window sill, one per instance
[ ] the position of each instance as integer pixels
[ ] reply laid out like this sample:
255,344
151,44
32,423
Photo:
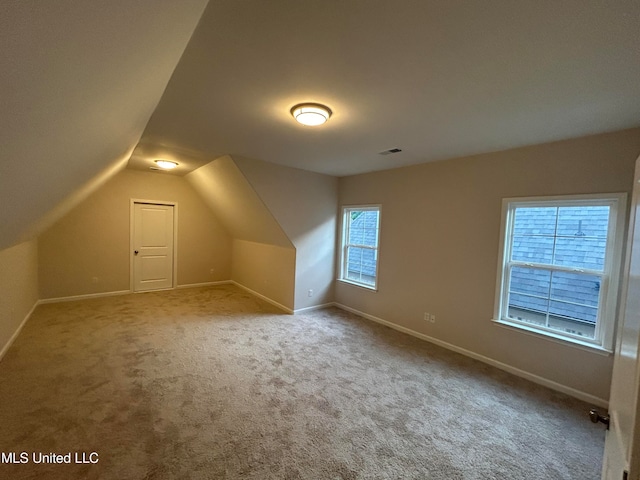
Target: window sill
570,342
360,285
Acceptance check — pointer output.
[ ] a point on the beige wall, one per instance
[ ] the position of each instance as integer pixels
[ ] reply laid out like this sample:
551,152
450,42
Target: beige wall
265,204
92,240
304,204
228,193
19,287
440,227
265,269
263,257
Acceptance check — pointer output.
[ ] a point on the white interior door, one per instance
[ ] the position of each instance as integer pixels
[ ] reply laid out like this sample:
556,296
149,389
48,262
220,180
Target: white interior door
152,246
621,455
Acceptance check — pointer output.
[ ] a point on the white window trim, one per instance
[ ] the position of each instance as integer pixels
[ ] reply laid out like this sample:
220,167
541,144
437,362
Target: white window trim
604,334
343,245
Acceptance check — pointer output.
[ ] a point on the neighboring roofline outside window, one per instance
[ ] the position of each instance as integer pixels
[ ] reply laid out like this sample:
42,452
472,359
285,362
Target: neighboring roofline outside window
607,277
359,246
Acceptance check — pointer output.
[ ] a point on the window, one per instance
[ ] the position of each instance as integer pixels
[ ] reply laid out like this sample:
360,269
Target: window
360,237
559,266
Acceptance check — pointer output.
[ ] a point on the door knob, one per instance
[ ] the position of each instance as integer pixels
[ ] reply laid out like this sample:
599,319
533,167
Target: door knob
596,417
135,252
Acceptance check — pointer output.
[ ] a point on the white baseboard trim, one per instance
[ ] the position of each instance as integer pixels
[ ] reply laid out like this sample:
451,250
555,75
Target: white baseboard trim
585,397
314,307
204,284
6,347
266,299
83,297
126,292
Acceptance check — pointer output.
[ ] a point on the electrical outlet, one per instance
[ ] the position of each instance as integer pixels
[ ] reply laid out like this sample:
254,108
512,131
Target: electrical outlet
432,319
94,279
426,316
310,292
211,271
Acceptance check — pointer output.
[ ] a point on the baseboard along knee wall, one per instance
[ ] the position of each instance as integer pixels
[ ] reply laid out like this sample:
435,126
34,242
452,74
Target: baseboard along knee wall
6,347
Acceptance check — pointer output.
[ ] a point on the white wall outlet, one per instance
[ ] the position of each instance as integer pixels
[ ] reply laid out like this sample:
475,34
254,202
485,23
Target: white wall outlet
310,292
426,316
94,279
432,319
211,271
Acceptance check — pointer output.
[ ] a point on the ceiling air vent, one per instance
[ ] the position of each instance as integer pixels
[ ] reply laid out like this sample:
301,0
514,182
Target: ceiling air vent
390,151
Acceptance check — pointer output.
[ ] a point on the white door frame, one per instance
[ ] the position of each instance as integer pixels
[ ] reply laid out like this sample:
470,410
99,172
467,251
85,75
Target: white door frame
622,441
132,204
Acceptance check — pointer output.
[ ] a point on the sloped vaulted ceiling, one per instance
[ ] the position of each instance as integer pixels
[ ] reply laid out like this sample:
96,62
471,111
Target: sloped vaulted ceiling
224,188
78,83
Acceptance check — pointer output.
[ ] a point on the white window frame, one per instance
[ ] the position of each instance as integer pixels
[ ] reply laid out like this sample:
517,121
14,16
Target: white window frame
605,321
344,246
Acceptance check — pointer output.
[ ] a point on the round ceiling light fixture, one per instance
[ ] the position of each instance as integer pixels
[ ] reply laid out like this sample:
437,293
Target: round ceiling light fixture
166,164
311,114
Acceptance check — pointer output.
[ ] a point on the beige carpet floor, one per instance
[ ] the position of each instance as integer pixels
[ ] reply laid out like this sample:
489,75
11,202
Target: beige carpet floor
212,383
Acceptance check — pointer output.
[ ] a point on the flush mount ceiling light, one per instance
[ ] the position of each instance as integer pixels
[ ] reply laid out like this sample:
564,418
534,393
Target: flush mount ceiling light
311,114
166,164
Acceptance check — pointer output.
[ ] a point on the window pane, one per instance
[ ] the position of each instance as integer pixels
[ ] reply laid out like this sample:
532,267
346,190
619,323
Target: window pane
574,303
530,281
535,221
354,263
361,265
555,270
356,228
531,304
363,228
586,221
572,306
576,288
532,249
360,246
528,295
573,314
580,252
528,309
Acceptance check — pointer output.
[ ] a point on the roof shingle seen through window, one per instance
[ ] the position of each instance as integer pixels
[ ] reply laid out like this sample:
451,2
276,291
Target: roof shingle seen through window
566,236
363,230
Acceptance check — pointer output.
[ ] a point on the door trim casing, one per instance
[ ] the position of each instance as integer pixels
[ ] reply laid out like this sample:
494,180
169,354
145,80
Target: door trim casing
132,203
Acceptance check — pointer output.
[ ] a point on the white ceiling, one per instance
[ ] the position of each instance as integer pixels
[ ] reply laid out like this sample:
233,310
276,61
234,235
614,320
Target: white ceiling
84,83
438,79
